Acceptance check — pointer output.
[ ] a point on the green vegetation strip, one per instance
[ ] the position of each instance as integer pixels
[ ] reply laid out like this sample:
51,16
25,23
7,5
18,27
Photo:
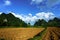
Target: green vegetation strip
39,35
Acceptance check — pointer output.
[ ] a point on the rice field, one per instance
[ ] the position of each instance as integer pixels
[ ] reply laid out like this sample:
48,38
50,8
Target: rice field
18,33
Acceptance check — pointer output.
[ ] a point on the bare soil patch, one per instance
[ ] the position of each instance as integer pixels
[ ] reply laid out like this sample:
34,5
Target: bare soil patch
52,33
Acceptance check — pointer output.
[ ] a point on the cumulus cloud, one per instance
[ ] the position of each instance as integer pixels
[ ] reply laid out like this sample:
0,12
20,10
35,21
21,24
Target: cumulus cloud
7,2
46,15
29,18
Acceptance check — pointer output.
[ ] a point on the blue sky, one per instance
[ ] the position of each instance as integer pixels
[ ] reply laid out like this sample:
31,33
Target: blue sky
31,10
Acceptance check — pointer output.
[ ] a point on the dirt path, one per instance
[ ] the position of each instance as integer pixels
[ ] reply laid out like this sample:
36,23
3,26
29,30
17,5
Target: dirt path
19,33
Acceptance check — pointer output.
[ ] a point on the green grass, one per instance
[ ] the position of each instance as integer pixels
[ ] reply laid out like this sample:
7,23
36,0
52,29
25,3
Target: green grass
20,27
42,34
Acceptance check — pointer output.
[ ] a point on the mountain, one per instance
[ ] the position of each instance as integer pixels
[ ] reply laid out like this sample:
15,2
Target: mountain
51,23
10,20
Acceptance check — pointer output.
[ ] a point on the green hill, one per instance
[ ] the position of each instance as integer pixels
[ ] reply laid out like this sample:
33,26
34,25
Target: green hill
11,20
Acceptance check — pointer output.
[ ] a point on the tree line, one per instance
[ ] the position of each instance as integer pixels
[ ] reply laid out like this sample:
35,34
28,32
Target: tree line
9,20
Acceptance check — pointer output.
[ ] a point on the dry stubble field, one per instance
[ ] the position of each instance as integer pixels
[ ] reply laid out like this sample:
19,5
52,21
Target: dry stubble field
18,33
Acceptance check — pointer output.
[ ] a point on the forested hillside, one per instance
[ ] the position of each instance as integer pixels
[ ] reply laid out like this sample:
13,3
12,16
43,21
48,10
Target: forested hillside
10,20
51,23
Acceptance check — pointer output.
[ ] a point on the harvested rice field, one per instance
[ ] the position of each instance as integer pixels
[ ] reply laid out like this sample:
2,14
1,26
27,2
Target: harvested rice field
18,33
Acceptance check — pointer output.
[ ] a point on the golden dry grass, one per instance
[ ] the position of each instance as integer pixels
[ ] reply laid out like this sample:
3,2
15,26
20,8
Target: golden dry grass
19,33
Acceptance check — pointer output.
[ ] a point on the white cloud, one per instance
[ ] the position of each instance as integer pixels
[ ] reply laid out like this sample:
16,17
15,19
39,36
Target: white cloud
41,4
30,14
51,3
32,19
0,13
7,2
36,1
46,15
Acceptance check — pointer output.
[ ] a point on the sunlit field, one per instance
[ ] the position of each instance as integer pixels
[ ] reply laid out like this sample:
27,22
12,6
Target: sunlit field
19,33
